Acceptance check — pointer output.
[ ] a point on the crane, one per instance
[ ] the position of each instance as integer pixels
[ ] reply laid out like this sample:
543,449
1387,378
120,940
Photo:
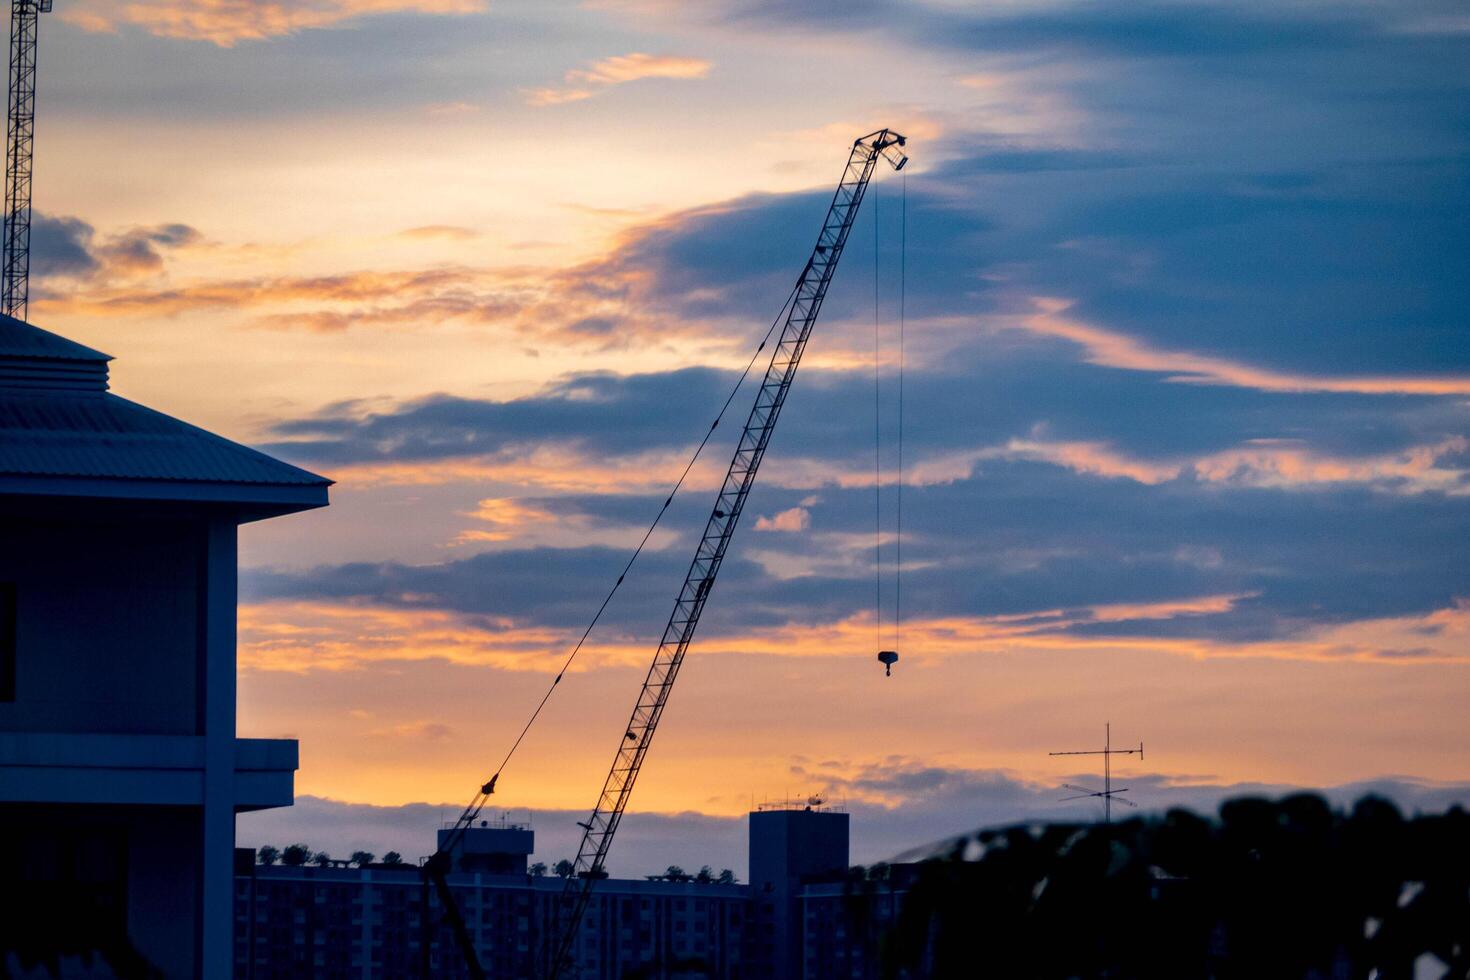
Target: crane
801,309
21,132
805,304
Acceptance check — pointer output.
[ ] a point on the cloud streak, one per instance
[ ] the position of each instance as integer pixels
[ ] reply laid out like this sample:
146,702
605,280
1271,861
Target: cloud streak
615,433
319,636
1116,350
584,83
228,22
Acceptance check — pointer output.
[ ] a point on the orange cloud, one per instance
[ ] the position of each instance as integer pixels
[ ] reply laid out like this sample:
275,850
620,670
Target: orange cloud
428,731
1265,463
507,520
457,233
227,22
1118,350
795,519
546,468
1437,637
505,517
552,468
540,97
1258,463
631,67
307,636
324,303
584,83
598,304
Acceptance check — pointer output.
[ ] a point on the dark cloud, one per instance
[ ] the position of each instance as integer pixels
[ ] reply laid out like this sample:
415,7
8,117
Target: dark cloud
1278,185
1148,29
979,396
61,246
605,412
1353,270
555,586
67,247
137,251
1014,538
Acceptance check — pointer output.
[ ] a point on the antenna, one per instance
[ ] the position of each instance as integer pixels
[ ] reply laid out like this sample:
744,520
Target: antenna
1108,794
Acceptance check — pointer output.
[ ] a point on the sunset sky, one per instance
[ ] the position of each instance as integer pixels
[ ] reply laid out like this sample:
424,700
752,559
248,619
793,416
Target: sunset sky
1187,413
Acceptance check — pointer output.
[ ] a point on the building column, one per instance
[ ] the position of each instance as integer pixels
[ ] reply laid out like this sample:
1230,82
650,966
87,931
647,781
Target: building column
217,915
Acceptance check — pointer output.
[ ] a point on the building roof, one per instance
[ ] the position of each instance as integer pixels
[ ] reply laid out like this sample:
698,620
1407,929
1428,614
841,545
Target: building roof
62,433
20,339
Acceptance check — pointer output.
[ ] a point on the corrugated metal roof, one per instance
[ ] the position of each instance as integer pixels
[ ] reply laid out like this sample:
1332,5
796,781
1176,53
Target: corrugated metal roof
20,339
57,420
112,438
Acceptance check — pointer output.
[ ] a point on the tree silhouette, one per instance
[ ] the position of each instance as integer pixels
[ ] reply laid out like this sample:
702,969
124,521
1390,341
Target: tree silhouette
393,858
321,859
705,875
362,858
537,870
564,868
726,877
295,855
1287,889
268,855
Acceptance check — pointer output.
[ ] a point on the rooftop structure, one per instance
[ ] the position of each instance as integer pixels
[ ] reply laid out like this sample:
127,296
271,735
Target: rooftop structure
64,435
790,848
500,847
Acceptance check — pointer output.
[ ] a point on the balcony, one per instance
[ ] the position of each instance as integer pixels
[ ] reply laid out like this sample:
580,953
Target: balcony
161,770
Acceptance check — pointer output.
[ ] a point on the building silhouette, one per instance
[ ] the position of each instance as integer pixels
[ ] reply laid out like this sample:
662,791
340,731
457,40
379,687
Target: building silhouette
120,772
790,847
795,919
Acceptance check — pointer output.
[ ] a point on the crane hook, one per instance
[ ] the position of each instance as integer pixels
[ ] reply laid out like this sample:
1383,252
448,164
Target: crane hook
888,658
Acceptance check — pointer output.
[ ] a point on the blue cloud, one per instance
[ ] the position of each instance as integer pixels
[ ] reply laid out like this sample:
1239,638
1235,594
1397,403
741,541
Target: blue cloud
603,411
976,398
61,246
1015,538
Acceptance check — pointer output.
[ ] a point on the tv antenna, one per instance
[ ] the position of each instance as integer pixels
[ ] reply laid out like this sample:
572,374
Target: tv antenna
1107,794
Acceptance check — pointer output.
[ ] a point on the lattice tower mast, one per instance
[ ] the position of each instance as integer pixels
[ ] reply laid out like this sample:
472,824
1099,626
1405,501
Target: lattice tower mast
19,148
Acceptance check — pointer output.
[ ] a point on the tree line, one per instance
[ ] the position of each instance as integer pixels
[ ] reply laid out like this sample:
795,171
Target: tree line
300,855
1285,889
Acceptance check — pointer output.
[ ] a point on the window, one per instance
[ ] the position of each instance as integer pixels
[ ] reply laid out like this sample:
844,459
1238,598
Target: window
7,641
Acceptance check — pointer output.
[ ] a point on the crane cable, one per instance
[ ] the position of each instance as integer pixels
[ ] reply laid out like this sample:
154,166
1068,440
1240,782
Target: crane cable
903,263
489,787
878,429
877,441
